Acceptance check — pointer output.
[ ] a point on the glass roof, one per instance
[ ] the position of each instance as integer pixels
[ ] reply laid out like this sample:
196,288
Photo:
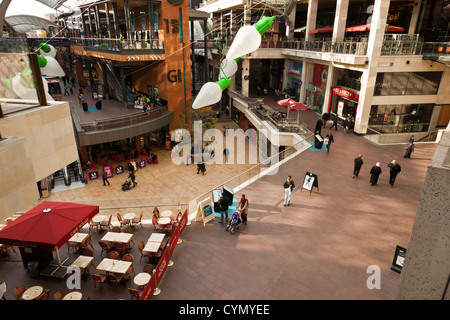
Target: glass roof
55,4
24,23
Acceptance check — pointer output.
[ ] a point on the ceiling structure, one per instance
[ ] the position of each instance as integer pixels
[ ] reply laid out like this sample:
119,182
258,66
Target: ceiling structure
25,23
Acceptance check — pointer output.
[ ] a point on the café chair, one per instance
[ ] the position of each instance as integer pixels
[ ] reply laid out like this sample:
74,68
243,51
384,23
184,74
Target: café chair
45,295
93,225
58,295
134,293
141,246
137,220
73,245
113,255
129,257
106,223
86,243
148,268
114,278
121,247
123,222
98,279
106,247
4,290
115,229
168,228
6,249
158,227
18,291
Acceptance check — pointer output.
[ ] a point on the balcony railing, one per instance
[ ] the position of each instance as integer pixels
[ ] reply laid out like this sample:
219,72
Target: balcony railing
118,44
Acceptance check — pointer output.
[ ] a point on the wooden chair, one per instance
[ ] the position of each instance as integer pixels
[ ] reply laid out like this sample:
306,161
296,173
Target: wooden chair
113,255
86,242
18,291
129,257
73,245
58,295
106,247
121,247
158,227
106,223
169,228
123,222
141,246
129,230
93,225
98,279
148,268
114,278
135,293
137,220
116,229
45,295
6,249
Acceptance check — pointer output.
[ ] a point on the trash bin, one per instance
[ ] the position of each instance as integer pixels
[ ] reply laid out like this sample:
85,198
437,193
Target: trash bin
98,105
33,267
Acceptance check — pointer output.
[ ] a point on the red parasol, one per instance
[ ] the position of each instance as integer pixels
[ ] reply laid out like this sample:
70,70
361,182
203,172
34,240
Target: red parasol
48,225
328,29
286,102
366,27
299,107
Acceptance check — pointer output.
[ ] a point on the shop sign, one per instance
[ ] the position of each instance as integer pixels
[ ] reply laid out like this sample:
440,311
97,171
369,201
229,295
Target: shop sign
348,94
295,72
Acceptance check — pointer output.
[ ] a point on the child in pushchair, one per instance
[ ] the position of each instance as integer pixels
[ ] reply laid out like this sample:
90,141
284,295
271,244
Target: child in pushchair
234,222
127,185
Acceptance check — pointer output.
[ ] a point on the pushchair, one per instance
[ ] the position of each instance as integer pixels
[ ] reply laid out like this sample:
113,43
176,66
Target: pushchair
127,185
234,222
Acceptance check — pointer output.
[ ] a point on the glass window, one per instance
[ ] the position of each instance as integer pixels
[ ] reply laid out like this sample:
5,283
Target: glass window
415,85
398,83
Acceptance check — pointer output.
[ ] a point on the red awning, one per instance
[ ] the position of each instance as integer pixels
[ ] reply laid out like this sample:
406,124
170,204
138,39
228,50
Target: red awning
48,225
272,31
366,27
328,29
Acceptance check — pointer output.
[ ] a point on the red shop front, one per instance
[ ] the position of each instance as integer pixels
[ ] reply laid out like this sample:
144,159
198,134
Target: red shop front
343,103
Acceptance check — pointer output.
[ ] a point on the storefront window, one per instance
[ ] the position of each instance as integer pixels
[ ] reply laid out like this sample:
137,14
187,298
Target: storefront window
400,118
407,83
315,89
294,79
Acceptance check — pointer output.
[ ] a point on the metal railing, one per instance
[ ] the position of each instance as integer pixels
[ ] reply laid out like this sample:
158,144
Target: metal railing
123,120
258,171
401,137
118,44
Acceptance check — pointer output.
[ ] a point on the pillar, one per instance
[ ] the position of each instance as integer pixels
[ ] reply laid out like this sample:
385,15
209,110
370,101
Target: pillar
124,87
375,43
311,19
414,17
137,141
303,88
98,22
91,29
84,154
116,20
108,23
340,20
245,75
291,26
105,82
205,39
326,101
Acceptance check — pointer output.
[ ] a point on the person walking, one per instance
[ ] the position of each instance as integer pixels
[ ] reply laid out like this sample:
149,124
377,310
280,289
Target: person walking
335,122
201,168
346,123
409,150
288,186
374,174
226,153
71,88
105,178
325,118
243,208
319,125
329,139
132,177
66,90
223,206
395,169
358,164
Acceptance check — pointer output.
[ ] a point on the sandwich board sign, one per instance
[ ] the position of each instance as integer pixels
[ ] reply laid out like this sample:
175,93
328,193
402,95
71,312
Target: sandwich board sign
205,211
310,181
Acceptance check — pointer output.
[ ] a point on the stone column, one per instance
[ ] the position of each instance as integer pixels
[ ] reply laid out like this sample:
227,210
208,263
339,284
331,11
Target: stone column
340,20
375,42
425,271
291,26
105,82
245,75
302,89
311,19
108,23
326,101
414,17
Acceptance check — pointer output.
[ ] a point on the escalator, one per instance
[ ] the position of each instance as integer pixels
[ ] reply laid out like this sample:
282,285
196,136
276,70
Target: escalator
116,85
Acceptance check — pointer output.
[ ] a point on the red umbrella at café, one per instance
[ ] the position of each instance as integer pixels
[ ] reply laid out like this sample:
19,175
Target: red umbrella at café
286,102
47,226
299,107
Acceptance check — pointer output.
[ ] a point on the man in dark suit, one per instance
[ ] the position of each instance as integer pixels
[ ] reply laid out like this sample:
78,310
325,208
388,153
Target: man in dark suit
395,169
358,164
223,205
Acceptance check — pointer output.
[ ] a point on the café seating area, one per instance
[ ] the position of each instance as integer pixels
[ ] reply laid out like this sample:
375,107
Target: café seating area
115,259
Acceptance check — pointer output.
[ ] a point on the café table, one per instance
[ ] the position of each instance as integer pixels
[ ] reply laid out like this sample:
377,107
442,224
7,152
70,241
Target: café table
74,295
121,237
141,279
98,218
32,293
83,262
164,220
166,213
114,266
157,237
151,247
78,237
129,216
106,264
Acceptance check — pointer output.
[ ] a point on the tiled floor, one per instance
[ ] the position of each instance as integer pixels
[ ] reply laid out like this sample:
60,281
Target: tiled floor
319,247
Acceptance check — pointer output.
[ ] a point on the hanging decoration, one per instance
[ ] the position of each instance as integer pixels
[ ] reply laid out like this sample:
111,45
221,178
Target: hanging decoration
49,65
247,40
